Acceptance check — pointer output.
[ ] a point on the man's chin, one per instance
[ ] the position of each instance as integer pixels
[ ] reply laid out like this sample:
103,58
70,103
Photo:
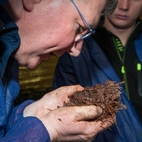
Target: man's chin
33,66
58,54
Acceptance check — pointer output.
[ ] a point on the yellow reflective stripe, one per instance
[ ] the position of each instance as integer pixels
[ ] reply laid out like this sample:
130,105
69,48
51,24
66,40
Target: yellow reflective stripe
122,70
139,67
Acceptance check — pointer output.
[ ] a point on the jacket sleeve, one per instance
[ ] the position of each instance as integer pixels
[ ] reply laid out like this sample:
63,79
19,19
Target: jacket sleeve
25,129
64,73
2,2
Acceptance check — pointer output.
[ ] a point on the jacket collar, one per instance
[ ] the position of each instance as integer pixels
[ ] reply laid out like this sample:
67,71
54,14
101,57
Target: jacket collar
138,47
100,58
9,40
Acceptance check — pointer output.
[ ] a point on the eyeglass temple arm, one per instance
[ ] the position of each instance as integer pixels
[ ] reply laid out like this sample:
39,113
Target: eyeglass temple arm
81,15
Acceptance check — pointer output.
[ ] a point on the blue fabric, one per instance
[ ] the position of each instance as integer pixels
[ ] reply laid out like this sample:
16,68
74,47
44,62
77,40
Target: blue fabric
13,126
9,41
20,129
90,68
2,2
138,44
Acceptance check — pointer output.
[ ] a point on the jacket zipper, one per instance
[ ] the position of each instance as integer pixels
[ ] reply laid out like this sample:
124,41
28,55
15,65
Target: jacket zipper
119,48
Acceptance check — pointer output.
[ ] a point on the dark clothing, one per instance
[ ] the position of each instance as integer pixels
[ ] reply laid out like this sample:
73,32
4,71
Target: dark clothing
13,126
127,58
3,1
92,66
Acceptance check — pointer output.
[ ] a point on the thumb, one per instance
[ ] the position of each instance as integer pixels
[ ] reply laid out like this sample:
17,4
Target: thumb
87,112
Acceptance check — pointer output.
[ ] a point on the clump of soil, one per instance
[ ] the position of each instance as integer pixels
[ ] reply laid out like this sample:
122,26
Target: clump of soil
106,96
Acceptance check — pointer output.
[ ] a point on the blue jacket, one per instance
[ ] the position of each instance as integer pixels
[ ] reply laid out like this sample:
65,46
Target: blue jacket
3,1
90,68
13,126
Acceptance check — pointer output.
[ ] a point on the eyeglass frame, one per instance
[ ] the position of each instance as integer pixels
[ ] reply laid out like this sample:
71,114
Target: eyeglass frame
91,31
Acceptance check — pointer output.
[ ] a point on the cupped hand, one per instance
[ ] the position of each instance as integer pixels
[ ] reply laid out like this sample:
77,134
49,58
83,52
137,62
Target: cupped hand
67,123
51,101
74,123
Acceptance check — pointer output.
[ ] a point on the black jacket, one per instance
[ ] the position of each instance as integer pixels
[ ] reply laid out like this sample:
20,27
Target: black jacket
124,61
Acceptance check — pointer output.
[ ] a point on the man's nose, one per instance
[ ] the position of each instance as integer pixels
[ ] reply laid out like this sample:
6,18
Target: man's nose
75,50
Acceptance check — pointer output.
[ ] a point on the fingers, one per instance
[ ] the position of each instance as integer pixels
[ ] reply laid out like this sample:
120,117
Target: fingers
92,128
54,99
74,123
79,88
64,91
51,101
59,96
86,112
68,90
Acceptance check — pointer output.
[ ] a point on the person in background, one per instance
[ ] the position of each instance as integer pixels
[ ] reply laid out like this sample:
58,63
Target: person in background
114,52
30,30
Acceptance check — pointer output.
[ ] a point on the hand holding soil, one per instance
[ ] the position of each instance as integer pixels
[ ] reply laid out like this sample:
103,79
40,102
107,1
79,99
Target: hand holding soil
106,96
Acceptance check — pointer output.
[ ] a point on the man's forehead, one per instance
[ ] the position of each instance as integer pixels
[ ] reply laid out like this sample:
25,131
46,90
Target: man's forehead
110,6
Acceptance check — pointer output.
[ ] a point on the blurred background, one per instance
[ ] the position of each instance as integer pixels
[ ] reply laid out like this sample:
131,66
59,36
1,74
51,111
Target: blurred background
35,83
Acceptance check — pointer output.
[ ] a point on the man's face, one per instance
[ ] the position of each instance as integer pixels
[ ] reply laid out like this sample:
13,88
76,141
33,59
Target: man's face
126,14
53,27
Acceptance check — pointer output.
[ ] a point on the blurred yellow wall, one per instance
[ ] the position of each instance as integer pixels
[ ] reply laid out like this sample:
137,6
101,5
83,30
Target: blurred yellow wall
40,77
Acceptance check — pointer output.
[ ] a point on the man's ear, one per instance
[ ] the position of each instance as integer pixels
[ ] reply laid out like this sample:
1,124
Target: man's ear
29,4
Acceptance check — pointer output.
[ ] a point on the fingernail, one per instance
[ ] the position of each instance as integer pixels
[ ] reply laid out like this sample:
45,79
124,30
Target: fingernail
99,110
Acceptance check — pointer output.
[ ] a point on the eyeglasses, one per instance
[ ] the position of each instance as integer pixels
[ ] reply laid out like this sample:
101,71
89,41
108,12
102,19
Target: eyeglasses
90,32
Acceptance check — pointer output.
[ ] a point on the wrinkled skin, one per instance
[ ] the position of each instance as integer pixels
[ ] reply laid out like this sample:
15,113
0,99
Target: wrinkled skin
70,123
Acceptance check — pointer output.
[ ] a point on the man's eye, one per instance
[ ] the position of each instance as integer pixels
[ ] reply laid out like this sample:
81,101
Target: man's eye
80,30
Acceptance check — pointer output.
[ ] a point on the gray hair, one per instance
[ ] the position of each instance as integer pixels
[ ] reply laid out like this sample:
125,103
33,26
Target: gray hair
110,6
